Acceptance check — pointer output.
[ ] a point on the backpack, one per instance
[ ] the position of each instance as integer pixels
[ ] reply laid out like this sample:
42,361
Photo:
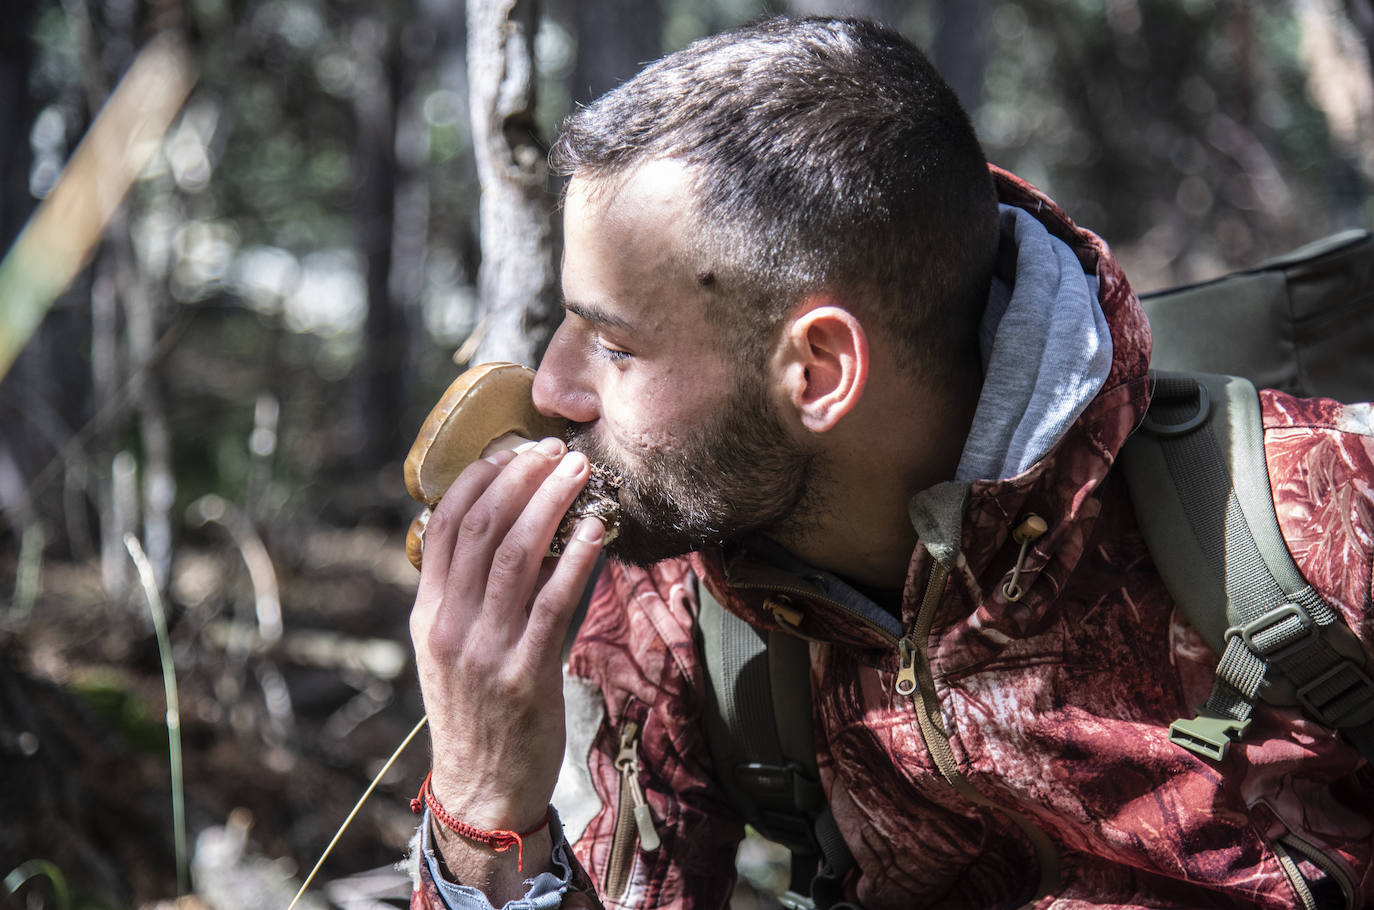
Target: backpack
1303,323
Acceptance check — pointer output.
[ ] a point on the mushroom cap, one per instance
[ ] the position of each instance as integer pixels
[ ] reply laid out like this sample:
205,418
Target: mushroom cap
483,404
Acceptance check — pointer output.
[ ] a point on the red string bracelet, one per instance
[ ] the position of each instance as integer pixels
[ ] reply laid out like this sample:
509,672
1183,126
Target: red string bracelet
499,840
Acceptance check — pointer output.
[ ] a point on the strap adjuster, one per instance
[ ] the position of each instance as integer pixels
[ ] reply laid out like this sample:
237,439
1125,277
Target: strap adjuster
1259,634
1343,696
787,782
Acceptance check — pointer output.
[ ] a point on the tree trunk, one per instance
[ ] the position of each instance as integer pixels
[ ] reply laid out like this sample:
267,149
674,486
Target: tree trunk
1362,15
888,12
145,306
375,103
106,376
16,120
608,56
961,47
516,278
1337,63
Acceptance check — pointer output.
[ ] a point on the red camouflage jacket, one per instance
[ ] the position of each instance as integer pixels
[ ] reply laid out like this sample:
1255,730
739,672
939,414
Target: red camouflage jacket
1033,764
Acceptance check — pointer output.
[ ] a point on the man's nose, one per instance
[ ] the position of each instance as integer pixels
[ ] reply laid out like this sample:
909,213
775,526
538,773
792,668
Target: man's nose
560,387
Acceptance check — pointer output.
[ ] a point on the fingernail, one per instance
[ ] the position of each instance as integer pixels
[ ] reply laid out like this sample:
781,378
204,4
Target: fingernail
590,530
551,446
571,465
500,457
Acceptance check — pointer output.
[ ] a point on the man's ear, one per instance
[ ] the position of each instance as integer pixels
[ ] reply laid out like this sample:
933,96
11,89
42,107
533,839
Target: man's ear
825,365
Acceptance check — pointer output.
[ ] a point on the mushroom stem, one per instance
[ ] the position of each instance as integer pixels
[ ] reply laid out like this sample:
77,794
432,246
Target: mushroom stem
510,441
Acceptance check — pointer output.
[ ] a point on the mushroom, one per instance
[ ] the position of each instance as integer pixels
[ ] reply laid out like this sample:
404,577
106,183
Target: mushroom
488,409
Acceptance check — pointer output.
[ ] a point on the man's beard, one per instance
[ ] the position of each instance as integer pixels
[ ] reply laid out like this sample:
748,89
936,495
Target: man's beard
739,473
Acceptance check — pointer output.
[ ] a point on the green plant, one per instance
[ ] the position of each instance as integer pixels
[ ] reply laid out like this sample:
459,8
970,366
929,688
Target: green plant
169,684
34,868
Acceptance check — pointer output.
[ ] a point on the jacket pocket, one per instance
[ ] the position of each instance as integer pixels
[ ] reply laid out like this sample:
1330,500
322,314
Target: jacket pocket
634,821
1290,850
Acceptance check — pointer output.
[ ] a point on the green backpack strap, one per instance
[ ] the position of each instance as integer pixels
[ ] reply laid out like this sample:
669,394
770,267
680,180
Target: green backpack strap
1200,486
758,731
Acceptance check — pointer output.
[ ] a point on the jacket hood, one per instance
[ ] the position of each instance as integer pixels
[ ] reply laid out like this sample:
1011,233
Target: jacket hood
967,525
1045,350
1065,347
1091,391
1121,308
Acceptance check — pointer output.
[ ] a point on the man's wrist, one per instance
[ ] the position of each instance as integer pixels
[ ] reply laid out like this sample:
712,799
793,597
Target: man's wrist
471,861
470,875
500,840
492,860
459,800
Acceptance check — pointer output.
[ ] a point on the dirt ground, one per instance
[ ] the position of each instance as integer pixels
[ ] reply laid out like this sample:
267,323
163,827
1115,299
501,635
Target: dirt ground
279,737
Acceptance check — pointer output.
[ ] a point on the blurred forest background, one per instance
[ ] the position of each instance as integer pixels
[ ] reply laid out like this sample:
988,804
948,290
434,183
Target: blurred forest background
236,375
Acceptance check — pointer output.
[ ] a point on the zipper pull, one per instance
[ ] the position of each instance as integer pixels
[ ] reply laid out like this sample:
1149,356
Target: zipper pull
1026,533
906,676
627,760
629,750
644,817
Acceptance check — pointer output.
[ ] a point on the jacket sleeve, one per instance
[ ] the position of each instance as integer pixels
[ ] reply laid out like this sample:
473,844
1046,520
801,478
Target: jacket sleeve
1320,455
634,687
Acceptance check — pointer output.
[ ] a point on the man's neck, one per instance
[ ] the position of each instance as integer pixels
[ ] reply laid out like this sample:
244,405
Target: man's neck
852,545
855,521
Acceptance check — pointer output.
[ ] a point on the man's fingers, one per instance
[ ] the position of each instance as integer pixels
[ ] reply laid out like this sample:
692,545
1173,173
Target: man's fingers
557,599
441,532
517,560
484,521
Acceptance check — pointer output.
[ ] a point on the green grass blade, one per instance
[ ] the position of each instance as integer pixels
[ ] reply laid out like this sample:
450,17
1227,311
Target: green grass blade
169,685
34,868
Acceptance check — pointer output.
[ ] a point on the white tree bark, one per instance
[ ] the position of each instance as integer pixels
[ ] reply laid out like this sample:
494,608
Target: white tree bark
516,279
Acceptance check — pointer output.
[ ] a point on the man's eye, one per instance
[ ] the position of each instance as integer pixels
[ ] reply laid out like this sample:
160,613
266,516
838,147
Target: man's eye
612,353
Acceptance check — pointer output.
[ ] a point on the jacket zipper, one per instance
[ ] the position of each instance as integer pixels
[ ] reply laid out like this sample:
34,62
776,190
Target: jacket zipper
1290,869
633,819
914,673
915,678
916,681
1319,859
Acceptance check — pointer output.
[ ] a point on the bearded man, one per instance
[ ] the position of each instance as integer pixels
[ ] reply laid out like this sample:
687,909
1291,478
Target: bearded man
840,361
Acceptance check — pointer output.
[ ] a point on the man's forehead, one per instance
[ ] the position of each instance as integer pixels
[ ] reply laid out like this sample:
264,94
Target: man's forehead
631,245
654,187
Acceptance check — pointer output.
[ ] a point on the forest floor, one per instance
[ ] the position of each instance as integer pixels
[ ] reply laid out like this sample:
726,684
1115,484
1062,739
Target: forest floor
278,740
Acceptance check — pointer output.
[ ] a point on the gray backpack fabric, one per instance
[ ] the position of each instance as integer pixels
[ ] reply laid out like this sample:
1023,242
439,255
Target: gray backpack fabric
758,731
1303,323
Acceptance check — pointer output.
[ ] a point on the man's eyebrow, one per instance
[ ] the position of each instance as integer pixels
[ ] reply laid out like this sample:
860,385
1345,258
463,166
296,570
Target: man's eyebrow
597,316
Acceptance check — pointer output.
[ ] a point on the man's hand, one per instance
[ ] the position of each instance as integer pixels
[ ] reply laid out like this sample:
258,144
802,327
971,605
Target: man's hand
488,626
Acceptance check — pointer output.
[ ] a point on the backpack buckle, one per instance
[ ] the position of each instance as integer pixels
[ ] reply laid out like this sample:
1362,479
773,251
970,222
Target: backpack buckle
1206,735
1343,696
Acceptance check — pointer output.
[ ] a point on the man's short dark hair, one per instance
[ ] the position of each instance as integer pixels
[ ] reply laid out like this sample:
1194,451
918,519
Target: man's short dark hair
828,153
